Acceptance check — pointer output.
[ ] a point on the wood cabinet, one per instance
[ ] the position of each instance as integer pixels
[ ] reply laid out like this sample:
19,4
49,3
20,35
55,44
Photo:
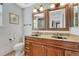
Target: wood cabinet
38,50
53,51
71,53
48,47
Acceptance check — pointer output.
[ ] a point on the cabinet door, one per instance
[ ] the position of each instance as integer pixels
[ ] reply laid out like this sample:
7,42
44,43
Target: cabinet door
53,51
71,53
38,50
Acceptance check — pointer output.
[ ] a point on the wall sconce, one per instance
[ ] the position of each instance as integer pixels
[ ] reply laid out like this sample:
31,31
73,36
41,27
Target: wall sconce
35,10
62,4
52,6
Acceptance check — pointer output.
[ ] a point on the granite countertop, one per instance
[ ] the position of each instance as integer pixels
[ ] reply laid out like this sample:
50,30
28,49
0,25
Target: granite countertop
71,38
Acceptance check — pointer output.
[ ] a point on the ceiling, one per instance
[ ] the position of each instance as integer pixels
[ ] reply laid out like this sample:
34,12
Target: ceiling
24,5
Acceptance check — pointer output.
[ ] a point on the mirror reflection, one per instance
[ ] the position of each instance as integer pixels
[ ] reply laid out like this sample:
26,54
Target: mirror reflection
75,21
57,19
38,21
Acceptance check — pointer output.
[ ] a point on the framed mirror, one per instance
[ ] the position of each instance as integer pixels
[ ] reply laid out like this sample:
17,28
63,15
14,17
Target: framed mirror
38,21
75,18
58,19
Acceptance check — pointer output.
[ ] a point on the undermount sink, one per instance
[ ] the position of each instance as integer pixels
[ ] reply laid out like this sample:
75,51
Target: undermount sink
35,35
59,37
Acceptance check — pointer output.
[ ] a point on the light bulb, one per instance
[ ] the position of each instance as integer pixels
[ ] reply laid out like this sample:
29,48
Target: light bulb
62,4
41,8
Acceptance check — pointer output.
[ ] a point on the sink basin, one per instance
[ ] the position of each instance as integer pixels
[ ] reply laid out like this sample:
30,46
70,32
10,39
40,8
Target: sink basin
59,37
36,35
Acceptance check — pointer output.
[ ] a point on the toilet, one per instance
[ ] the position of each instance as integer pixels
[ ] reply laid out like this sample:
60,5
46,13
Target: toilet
19,47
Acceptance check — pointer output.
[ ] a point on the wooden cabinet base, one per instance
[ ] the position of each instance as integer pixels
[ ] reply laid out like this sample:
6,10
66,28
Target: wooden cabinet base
48,47
71,53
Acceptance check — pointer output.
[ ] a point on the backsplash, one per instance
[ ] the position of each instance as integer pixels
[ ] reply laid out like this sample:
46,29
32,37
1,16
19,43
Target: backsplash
63,33
75,30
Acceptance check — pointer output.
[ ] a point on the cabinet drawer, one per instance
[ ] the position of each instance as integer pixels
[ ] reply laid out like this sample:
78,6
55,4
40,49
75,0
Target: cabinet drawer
68,45
71,53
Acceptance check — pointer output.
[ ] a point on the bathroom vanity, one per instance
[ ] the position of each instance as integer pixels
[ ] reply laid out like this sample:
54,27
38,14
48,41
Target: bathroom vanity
55,19
50,46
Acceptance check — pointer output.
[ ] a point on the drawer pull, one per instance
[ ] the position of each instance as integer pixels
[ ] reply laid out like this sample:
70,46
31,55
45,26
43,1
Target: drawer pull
27,48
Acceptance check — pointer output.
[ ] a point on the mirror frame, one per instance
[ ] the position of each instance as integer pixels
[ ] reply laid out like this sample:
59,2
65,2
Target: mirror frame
67,14
44,20
72,15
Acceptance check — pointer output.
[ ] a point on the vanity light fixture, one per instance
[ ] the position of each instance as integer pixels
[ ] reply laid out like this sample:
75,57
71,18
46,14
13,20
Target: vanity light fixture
73,4
35,10
41,8
52,6
57,5
62,4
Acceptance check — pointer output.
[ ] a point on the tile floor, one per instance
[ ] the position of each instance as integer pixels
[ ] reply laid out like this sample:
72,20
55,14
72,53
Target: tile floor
12,53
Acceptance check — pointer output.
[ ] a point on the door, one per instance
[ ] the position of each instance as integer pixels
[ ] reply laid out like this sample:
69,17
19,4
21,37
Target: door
38,50
71,53
53,51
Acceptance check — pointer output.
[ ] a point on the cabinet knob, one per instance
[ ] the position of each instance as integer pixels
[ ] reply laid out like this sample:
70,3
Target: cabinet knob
27,48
